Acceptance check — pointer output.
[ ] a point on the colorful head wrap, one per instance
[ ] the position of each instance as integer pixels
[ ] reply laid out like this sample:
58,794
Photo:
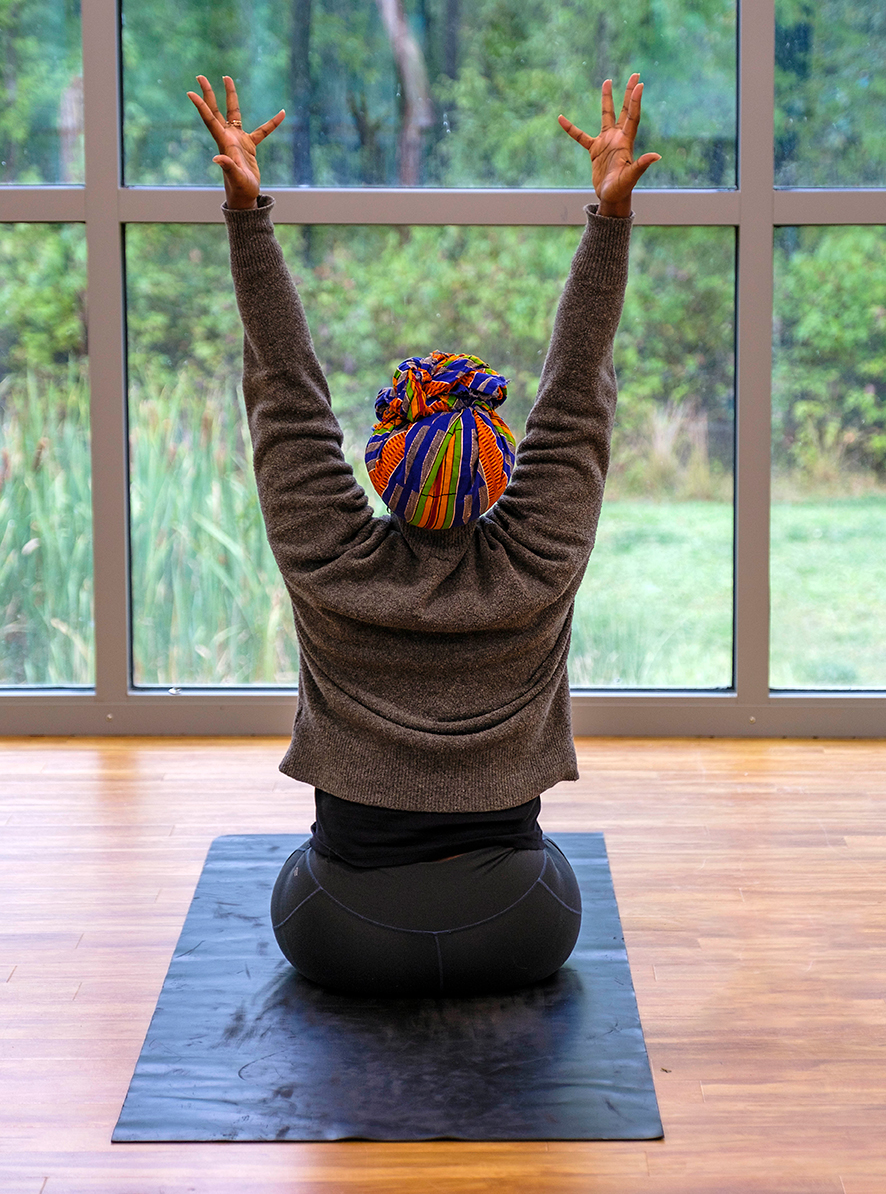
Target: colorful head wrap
439,455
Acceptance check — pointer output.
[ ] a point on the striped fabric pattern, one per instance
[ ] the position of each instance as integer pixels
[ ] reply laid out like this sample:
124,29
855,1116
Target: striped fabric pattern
439,454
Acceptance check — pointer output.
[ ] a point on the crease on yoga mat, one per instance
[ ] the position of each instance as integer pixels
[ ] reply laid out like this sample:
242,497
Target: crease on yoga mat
241,1047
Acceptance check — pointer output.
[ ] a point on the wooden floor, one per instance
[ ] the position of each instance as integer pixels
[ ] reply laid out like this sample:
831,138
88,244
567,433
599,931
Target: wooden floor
750,875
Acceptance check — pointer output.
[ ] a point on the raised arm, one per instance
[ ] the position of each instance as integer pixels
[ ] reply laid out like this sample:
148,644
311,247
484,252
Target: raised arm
311,503
552,504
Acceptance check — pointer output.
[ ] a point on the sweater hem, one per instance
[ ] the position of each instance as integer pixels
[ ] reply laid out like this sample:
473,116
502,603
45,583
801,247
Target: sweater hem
478,800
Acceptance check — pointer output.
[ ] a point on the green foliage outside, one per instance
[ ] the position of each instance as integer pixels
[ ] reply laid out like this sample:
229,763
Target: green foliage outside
494,75
830,93
205,588
45,531
45,499
497,72
41,66
207,600
656,607
829,366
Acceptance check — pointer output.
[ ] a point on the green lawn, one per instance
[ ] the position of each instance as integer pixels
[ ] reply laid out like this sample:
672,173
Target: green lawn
829,593
655,608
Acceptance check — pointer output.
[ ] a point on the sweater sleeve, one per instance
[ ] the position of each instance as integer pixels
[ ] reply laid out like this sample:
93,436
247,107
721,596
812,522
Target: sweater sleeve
550,509
311,503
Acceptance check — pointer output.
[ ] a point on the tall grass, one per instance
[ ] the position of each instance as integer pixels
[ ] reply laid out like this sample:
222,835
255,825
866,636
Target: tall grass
208,603
46,634
655,609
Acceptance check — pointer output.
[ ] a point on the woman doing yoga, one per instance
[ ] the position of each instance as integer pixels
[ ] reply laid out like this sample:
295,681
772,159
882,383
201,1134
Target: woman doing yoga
433,705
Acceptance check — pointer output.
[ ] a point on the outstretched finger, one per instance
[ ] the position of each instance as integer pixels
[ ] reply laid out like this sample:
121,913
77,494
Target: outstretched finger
629,91
633,118
232,101
608,106
209,97
265,130
209,118
576,133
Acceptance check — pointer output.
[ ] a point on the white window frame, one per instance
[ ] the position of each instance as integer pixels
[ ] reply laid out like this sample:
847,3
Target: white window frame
755,209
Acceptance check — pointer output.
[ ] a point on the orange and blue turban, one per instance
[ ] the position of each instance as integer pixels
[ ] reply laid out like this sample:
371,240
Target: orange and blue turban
439,454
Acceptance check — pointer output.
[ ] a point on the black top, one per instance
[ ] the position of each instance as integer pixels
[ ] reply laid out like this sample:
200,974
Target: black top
365,835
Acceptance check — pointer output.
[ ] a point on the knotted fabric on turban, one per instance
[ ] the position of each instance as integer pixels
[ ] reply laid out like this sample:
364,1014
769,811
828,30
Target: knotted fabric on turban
439,454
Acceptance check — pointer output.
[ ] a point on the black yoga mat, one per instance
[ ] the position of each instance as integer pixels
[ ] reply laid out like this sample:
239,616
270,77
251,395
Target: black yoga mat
242,1048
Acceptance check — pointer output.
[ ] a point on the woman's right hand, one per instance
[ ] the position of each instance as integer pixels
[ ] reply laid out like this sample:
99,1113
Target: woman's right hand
237,147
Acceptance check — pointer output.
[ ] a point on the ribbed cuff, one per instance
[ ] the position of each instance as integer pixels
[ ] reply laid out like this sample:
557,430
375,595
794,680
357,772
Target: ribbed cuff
232,214
248,248
604,247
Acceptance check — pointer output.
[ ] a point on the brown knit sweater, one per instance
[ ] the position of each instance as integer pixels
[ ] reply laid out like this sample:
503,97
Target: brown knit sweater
433,663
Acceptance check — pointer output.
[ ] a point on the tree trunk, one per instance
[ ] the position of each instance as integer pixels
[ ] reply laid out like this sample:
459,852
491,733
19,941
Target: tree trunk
451,38
300,72
372,163
70,132
418,110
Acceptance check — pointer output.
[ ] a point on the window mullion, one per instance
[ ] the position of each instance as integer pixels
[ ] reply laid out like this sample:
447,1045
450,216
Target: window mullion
754,350
105,299
528,208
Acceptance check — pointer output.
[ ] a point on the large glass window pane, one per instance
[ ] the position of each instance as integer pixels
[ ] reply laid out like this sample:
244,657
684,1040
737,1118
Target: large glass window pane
41,70
207,603
208,606
830,93
655,609
829,459
46,635
430,92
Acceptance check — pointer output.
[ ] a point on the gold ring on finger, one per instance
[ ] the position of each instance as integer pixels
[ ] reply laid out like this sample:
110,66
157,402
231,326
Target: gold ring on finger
233,124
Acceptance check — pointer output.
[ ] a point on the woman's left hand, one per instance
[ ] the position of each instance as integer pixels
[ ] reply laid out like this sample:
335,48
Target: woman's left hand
237,157
614,171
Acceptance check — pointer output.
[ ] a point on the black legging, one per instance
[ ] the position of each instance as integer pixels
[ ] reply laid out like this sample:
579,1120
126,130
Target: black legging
490,920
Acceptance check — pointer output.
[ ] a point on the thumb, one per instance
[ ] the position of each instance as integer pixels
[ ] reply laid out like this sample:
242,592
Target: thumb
235,176
642,164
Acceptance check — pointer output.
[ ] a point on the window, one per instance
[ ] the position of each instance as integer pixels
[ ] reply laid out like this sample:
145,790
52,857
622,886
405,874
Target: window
828,457
425,132
46,635
428,92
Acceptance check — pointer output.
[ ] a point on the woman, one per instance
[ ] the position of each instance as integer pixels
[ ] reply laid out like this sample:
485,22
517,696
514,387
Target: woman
433,696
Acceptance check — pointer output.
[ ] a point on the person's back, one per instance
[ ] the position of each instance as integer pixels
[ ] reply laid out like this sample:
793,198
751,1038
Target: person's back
433,692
